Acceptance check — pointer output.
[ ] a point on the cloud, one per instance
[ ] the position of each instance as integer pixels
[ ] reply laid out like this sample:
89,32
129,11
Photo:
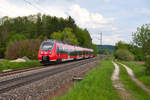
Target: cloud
86,19
83,17
13,10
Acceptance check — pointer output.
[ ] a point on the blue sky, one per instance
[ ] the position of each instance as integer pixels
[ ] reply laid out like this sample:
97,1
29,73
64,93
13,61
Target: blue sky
116,19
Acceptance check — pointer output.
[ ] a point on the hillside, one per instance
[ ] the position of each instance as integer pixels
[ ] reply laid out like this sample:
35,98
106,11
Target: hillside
107,47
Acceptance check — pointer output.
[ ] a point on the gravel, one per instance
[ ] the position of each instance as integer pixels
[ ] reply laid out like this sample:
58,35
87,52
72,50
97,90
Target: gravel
28,72
44,87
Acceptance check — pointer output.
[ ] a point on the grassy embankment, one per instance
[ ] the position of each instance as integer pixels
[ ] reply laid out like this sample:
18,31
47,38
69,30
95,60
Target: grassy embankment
139,71
96,85
5,64
137,92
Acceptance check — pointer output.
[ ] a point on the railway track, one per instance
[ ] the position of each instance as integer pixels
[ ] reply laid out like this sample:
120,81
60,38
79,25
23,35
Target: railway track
19,71
16,71
10,84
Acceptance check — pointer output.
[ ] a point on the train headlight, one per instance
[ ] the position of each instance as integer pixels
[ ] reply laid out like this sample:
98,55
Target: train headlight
41,52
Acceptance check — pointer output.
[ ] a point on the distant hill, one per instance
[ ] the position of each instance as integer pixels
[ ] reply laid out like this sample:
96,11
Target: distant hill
106,47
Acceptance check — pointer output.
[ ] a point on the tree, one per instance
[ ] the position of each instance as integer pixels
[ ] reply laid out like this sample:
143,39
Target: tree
38,25
66,35
121,45
147,64
95,48
16,37
142,38
124,54
3,41
137,52
84,37
42,27
57,36
29,48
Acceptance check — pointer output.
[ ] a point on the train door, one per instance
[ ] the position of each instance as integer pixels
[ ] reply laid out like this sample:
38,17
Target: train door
58,53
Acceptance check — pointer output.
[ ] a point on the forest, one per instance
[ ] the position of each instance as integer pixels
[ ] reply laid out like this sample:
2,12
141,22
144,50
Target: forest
22,36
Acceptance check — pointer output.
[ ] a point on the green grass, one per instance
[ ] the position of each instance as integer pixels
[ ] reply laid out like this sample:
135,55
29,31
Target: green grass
137,92
96,85
5,64
139,71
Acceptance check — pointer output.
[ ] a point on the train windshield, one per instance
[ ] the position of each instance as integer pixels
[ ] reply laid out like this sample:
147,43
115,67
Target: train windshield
47,46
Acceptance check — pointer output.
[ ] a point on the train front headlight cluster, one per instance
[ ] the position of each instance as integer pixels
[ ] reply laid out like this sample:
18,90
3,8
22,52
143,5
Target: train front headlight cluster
42,52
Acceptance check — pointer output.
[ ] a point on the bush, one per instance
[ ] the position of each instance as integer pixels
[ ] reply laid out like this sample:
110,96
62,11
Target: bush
2,50
6,64
148,65
22,48
123,54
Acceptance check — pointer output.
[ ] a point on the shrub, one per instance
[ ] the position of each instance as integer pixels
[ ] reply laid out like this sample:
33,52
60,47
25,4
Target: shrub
123,54
2,52
22,48
148,65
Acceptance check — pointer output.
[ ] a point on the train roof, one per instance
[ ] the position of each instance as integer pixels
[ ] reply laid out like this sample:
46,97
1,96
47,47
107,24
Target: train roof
56,41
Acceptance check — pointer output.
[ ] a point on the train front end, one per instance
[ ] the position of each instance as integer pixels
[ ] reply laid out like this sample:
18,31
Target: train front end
47,52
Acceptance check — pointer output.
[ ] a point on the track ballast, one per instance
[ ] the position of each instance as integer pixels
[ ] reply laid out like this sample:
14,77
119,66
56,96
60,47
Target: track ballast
24,80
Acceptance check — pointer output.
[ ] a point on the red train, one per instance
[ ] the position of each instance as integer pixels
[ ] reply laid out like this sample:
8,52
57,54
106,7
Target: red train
52,50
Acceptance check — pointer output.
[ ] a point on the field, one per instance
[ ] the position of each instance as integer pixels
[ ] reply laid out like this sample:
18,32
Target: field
139,71
96,85
6,64
137,92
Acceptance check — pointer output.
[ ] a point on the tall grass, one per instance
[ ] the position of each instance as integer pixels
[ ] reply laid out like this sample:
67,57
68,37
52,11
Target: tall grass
5,64
96,85
139,71
137,92
22,48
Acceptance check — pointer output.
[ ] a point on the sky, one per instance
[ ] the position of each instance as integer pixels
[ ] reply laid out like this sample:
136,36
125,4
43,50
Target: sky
116,19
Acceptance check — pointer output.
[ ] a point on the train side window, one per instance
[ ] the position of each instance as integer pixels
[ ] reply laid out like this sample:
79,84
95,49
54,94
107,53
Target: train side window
57,50
76,53
61,50
65,51
80,52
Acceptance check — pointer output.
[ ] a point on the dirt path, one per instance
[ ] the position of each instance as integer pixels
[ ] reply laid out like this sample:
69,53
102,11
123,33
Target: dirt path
125,95
131,74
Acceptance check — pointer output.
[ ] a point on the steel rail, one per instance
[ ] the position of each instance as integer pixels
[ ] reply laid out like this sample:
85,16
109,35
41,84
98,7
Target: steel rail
24,80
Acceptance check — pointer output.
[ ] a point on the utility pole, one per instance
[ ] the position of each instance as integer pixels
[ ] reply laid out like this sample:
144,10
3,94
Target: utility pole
101,38
100,42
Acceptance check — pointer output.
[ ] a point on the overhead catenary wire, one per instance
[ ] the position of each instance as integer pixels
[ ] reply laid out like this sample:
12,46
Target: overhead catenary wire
36,6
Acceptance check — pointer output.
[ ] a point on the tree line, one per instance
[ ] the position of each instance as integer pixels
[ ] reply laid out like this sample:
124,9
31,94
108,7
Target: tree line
23,30
138,50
